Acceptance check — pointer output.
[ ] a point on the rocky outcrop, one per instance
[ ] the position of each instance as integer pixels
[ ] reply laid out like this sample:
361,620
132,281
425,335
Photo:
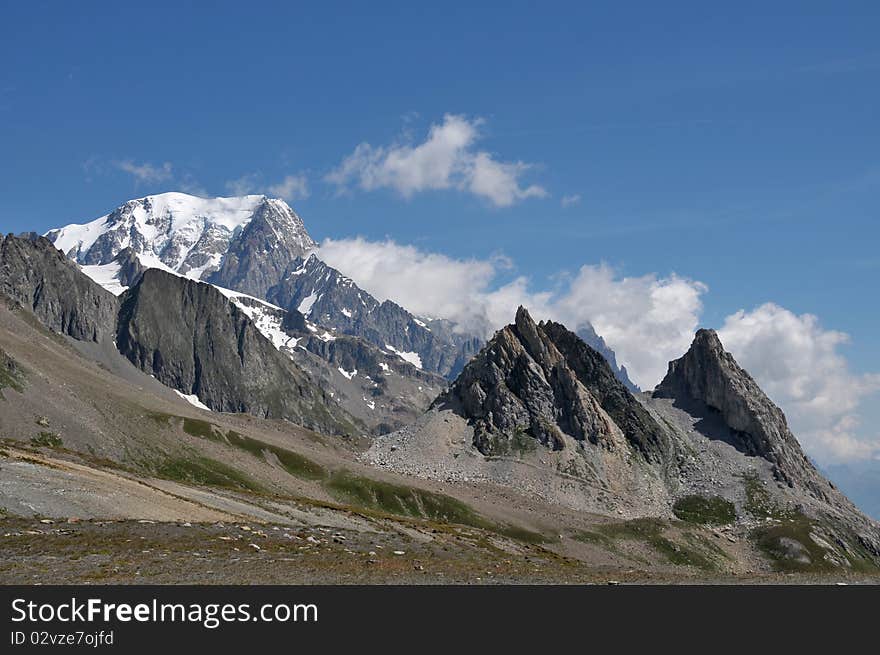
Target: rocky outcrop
34,274
191,338
594,371
259,255
708,375
542,381
130,267
330,299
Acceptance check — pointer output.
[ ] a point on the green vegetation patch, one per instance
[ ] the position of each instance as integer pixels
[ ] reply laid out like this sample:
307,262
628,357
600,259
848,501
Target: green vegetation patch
518,533
651,531
199,428
635,529
160,417
292,462
500,445
48,440
790,547
400,500
704,510
759,503
205,471
680,554
11,374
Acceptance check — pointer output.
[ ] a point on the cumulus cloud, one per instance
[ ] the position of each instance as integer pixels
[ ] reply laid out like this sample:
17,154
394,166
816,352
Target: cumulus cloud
291,188
568,201
427,284
799,365
446,159
647,320
146,172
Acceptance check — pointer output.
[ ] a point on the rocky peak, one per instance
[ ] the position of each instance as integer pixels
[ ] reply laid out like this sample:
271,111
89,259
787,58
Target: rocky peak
708,379
540,380
535,341
259,255
34,274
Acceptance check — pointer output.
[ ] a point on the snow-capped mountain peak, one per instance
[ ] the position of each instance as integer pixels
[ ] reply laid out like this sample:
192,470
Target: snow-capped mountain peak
182,233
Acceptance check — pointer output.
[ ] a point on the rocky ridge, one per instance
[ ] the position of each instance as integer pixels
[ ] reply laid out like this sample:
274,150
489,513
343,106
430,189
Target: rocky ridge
329,298
259,246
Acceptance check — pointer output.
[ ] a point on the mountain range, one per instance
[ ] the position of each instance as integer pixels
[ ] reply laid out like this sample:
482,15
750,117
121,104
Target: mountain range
222,308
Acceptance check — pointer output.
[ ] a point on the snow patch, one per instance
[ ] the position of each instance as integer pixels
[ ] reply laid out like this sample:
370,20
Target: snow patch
305,307
348,374
192,399
107,276
411,357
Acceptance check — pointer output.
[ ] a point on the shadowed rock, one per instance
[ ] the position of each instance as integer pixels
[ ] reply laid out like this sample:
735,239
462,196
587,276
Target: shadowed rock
34,274
544,381
191,338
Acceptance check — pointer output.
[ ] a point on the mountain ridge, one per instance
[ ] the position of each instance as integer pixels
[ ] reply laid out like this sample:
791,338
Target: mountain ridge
540,411
259,246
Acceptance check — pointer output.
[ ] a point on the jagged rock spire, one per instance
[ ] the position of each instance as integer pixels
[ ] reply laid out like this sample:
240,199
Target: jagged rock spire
542,381
710,375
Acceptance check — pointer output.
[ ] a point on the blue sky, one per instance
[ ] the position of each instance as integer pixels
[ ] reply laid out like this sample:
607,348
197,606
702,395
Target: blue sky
735,146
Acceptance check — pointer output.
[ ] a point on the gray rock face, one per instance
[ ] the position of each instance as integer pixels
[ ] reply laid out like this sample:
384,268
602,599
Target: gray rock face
328,298
541,381
191,338
385,392
260,254
588,335
130,267
373,385
708,375
38,277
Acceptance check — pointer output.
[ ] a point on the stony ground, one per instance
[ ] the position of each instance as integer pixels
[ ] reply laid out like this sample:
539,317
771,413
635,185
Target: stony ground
142,552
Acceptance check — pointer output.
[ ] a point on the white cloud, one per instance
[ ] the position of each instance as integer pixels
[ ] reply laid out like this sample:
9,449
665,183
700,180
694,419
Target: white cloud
244,185
799,365
568,201
647,320
291,188
445,160
146,172
427,284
